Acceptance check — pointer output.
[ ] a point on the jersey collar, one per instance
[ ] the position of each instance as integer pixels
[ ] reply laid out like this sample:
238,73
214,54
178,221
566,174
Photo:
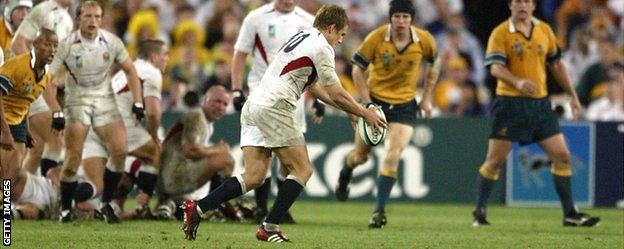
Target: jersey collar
8,26
512,27
33,59
388,36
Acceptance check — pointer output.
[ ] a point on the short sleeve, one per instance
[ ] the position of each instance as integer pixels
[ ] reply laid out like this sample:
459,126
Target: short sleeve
193,128
430,51
554,52
6,79
120,52
325,66
495,52
59,57
152,85
31,25
245,40
366,52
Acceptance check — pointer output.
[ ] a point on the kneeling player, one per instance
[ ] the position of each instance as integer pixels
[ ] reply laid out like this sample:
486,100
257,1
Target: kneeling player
188,158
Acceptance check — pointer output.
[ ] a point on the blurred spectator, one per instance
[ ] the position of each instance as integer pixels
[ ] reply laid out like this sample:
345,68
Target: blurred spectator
582,54
610,107
590,85
122,12
188,60
456,95
214,27
574,12
434,14
220,76
456,40
143,25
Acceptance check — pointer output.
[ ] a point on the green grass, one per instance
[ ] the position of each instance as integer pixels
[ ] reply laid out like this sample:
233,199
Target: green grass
344,225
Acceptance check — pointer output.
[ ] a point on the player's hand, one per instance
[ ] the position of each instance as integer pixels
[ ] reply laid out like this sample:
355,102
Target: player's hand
238,100
138,111
425,107
371,118
58,122
6,140
577,109
319,111
526,86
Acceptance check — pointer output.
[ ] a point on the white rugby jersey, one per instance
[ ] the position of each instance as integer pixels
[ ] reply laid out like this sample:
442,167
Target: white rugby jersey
88,62
50,15
264,30
305,59
151,83
191,128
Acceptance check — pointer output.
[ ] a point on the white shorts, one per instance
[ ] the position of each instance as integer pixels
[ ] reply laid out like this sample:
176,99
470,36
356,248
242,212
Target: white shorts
300,114
93,111
269,127
137,136
41,192
38,106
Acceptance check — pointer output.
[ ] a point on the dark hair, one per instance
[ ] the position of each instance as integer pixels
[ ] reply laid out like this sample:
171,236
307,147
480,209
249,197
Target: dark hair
331,15
402,6
148,46
82,4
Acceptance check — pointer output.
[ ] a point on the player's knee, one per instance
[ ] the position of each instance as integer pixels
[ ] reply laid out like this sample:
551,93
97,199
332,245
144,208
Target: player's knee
69,172
358,158
560,157
118,154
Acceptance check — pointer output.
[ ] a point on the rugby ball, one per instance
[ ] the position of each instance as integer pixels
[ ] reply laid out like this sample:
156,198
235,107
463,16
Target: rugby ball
368,133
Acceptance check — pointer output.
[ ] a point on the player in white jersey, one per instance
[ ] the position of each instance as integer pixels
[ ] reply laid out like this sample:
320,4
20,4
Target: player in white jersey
268,124
53,15
143,142
189,159
87,55
262,34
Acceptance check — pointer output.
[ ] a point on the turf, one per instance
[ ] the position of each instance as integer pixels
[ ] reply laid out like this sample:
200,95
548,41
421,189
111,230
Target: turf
344,225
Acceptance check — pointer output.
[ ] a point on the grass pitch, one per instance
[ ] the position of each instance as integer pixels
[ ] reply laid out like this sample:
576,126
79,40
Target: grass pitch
344,225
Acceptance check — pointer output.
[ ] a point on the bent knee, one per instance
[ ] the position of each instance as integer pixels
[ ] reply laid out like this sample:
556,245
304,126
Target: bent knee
357,158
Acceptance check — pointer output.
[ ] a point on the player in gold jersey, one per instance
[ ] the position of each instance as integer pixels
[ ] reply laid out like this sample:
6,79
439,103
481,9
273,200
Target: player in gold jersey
391,56
22,79
518,52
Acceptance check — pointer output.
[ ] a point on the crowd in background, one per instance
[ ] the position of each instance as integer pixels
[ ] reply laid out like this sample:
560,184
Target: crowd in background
202,33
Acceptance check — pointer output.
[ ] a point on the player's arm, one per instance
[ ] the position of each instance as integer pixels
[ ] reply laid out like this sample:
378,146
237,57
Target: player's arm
26,32
153,115
560,73
238,69
501,72
344,101
20,44
6,139
135,88
360,77
432,72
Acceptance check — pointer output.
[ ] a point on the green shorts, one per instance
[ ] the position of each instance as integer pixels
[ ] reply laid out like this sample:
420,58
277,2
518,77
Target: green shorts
20,131
404,113
523,120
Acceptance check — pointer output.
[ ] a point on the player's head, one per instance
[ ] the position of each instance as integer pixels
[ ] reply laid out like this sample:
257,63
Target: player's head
45,45
333,22
215,102
89,15
285,5
155,51
401,15
521,9
15,11
65,3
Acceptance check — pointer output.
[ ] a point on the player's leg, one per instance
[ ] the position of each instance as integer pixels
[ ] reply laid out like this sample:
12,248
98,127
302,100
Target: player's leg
262,193
26,211
256,161
558,153
149,153
397,138
113,134
47,151
296,160
281,178
93,185
488,174
76,132
357,156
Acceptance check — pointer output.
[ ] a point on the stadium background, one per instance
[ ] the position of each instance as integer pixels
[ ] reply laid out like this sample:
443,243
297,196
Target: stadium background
202,34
